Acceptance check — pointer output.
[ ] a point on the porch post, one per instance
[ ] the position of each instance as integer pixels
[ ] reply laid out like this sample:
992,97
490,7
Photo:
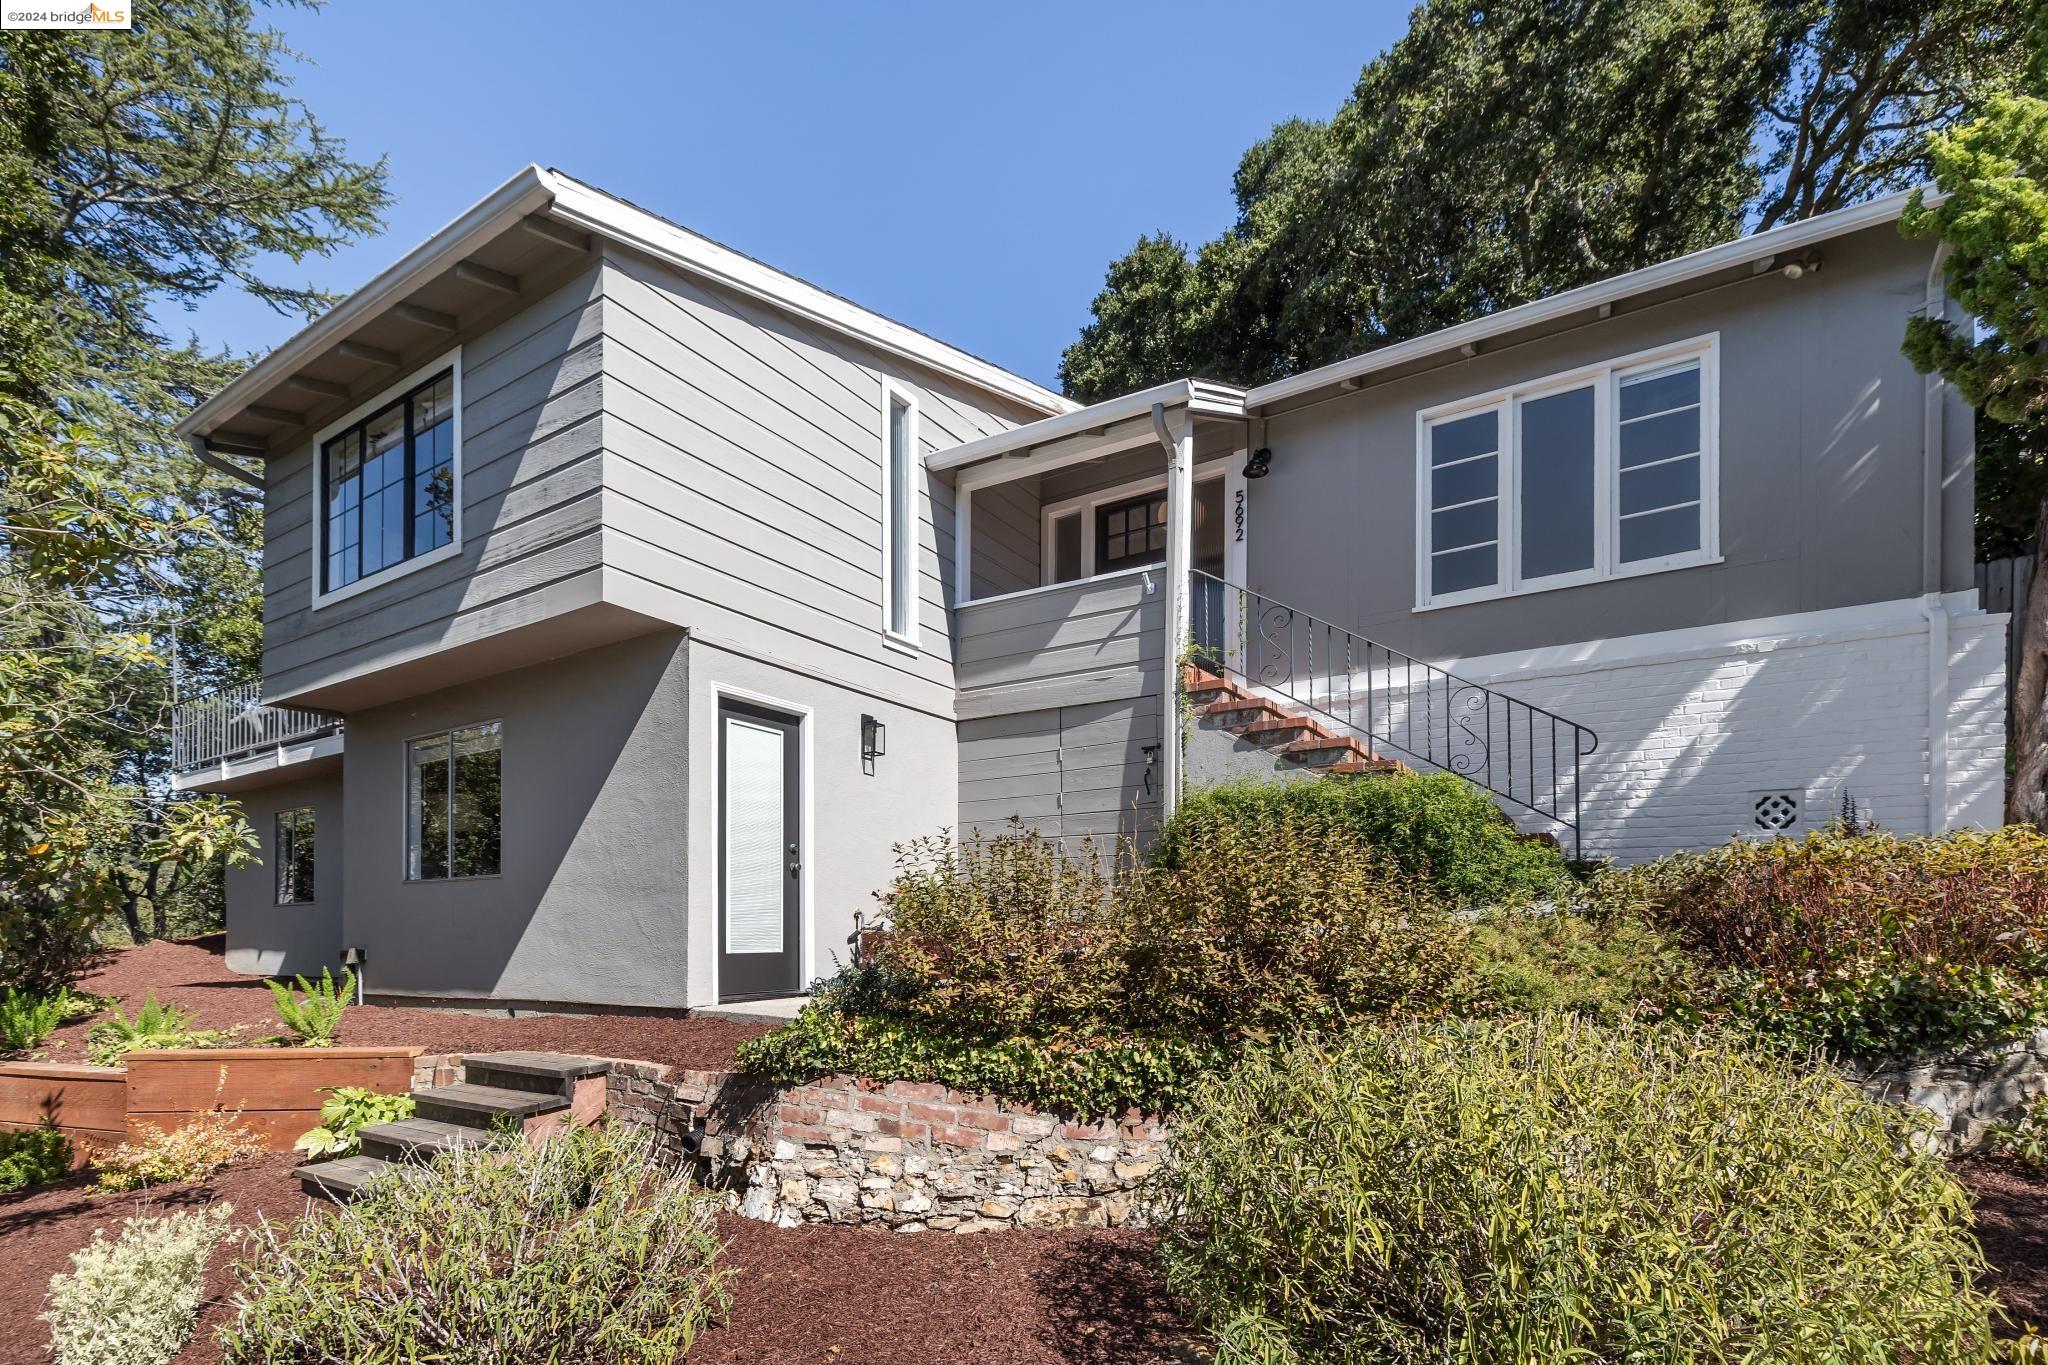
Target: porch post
1180,544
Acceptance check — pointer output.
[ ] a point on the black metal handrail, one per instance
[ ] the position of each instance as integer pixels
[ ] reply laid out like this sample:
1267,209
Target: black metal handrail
1527,756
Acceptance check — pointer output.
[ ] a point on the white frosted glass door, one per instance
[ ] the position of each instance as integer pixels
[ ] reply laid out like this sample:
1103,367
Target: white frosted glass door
754,836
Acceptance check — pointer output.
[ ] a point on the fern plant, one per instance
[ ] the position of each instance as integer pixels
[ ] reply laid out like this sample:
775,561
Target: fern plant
316,1019
27,1018
155,1025
347,1111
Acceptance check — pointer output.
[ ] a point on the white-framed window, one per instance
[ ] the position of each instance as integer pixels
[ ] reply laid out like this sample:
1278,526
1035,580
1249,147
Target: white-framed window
1604,472
901,465
291,848
453,803
388,483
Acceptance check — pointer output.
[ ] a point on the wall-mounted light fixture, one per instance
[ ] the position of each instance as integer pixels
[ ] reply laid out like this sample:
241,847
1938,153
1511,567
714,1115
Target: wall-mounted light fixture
874,742
1259,464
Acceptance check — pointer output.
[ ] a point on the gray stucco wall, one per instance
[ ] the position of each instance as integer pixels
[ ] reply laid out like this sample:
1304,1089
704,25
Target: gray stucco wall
1820,457
590,905
855,816
265,938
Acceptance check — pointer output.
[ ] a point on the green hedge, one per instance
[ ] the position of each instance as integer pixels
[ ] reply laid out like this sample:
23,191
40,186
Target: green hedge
1546,1191
1430,825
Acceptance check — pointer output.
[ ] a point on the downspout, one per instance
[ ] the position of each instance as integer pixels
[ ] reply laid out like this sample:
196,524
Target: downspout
1180,458
1934,396
213,461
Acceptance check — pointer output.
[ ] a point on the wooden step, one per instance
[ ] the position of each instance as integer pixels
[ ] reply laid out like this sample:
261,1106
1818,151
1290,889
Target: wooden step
559,1066
341,1178
416,1139
480,1106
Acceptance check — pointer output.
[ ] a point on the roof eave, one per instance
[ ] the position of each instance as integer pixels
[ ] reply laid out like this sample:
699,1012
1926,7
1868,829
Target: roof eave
1200,396
529,191
1678,270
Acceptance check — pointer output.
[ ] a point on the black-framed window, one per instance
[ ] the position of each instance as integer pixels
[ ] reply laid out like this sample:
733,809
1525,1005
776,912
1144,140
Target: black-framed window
1130,532
291,848
388,484
453,803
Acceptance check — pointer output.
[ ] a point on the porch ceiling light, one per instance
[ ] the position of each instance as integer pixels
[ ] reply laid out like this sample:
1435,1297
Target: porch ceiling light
1260,464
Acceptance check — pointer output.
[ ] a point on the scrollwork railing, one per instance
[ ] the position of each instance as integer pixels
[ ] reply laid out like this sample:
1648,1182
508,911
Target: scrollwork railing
1528,757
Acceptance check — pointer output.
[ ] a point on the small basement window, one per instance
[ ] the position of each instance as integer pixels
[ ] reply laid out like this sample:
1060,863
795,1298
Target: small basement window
453,804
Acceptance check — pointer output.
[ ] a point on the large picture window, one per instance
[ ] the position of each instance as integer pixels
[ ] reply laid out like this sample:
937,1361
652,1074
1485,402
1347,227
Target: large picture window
291,849
388,485
1602,473
452,804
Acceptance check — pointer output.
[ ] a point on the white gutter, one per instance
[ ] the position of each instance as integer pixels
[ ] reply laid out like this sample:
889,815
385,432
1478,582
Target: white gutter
527,192
632,226
1933,456
1199,395
1774,241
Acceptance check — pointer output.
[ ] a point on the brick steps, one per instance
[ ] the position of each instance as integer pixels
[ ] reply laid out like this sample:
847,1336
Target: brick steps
535,1092
1283,730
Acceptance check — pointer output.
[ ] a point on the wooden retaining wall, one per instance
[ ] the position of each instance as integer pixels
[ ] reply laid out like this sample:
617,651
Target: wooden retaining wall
276,1090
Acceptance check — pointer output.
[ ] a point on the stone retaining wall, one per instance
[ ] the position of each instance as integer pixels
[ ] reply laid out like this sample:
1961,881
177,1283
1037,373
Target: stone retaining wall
1965,1092
905,1155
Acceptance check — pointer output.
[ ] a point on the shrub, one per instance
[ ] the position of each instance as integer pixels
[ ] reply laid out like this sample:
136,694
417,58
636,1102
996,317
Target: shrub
1605,966
1871,944
347,1110
154,1026
33,1156
170,1156
26,1019
133,1301
1561,1190
1002,932
578,1249
1281,924
1433,825
2024,1137
1077,1074
315,1020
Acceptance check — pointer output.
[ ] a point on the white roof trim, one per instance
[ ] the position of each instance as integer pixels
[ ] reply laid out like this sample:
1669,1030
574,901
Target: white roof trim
635,227
1678,270
536,189
1202,395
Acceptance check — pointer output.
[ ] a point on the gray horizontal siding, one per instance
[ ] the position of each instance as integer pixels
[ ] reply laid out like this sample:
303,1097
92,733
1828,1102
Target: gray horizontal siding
743,479
1094,641
1074,772
531,438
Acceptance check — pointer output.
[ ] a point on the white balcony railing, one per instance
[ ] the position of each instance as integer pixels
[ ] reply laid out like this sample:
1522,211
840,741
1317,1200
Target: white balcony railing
234,723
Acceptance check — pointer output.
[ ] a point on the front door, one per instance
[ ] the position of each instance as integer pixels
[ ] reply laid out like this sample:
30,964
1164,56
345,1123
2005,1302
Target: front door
760,843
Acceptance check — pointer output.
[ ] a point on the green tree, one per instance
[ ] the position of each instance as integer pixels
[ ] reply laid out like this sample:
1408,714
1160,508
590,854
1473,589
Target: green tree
1502,152
136,170
1994,223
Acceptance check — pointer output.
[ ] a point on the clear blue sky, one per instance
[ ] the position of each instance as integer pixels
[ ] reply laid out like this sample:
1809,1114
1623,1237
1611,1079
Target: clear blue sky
967,168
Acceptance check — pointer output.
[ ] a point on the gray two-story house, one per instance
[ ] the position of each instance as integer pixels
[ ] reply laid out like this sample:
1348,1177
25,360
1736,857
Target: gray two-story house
627,599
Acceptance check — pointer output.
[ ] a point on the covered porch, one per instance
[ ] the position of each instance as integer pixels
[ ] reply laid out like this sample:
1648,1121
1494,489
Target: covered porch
1080,545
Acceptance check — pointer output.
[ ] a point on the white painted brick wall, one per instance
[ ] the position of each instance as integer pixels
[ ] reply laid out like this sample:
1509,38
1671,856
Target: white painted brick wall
1690,736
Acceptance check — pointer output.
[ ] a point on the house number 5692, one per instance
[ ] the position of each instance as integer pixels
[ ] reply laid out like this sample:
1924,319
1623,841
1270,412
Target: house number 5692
1237,516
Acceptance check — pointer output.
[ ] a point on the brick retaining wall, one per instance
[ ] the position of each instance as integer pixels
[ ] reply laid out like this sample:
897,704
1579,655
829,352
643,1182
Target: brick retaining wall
903,1154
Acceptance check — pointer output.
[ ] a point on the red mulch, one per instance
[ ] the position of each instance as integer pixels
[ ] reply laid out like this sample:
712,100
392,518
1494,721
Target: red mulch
823,1294
192,975
41,1228
2012,1224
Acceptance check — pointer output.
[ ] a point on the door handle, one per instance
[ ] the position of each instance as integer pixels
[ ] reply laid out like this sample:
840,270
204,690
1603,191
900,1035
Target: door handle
794,862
